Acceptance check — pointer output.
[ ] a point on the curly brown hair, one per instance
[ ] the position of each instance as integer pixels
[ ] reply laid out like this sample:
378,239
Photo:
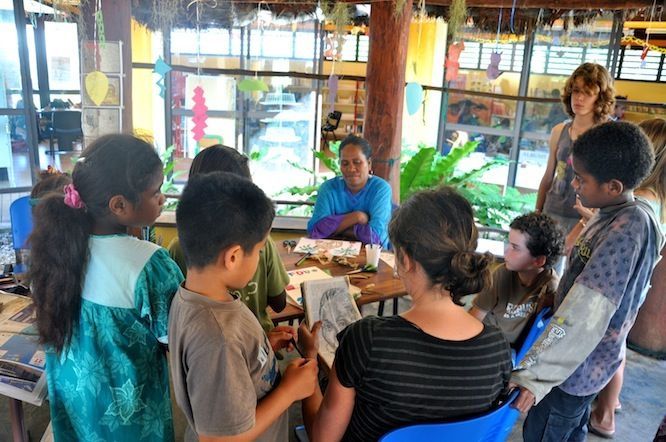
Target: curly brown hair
593,76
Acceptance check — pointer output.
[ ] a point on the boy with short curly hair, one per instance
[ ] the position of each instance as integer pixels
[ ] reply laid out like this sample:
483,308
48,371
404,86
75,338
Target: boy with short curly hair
526,282
602,289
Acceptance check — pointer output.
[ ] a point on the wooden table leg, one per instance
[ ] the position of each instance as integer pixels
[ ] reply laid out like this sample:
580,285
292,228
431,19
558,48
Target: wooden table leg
19,432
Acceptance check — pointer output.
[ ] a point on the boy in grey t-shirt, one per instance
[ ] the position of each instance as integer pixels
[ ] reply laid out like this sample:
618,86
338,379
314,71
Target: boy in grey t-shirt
599,295
225,374
526,282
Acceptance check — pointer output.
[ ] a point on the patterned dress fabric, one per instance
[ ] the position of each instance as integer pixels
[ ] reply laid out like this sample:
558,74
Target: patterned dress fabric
112,382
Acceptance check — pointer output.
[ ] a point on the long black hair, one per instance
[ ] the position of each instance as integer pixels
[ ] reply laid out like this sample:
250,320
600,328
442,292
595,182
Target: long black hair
112,165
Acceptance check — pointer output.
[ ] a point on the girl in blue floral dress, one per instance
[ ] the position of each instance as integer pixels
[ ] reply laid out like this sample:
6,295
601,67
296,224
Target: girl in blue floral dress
103,297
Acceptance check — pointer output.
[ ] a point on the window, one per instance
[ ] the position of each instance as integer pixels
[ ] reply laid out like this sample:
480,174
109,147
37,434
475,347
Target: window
354,48
632,67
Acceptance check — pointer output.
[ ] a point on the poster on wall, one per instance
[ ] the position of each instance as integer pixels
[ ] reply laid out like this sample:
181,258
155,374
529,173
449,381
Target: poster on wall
97,122
112,97
101,57
102,89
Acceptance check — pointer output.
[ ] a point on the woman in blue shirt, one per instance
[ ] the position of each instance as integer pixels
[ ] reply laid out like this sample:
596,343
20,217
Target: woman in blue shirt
356,205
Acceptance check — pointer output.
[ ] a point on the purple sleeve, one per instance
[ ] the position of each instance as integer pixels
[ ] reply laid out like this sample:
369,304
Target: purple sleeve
326,226
366,234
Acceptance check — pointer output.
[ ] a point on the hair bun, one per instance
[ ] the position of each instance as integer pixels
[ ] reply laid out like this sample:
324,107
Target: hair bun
470,272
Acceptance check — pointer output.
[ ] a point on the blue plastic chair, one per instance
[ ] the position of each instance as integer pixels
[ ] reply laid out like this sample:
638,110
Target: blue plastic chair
540,322
20,213
494,426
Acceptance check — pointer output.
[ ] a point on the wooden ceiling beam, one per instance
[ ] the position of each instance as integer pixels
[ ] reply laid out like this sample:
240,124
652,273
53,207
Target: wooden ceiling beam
559,4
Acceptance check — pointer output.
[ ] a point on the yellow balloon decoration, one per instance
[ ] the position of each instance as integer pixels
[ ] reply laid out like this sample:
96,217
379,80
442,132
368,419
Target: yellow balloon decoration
97,86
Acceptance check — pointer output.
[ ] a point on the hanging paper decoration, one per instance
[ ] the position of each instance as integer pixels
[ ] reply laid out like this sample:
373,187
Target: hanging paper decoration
329,47
452,64
99,26
493,71
97,86
199,110
646,49
161,68
414,97
332,92
252,85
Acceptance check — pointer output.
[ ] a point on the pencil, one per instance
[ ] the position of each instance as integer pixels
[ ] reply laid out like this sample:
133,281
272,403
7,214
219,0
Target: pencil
293,342
300,261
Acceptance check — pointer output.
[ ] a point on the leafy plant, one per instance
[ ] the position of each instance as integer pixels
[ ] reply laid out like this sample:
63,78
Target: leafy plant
168,186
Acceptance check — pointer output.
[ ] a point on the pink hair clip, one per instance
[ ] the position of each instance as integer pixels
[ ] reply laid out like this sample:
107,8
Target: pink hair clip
72,197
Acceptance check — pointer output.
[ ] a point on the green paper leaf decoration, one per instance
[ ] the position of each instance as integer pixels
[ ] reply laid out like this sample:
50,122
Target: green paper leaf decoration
252,85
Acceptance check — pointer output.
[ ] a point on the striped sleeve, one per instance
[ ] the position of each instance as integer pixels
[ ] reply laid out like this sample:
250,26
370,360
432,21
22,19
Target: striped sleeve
353,353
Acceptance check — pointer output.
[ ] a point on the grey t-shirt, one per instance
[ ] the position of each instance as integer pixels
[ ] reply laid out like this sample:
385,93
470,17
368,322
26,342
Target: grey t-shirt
222,364
613,256
510,305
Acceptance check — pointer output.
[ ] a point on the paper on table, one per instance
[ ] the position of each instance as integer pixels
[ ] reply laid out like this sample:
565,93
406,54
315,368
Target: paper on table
388,258
333,246
296,277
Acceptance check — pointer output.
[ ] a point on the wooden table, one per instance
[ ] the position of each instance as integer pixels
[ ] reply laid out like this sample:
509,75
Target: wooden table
383,285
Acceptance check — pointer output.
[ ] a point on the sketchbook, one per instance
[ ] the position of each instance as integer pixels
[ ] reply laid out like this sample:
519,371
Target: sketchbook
22,359
334,246
297,276
329,301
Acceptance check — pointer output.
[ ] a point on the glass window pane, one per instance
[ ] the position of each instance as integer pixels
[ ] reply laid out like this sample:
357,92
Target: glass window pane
207,42
349,48
558,52
62,52
10,72
633,68
277,44
504,49
531,163
219,90
305,45
563,60
481,111
542,117
421,128
363,47
469,57
218,131
30,37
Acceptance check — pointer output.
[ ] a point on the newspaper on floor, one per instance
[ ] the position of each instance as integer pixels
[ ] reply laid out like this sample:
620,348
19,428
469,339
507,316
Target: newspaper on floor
22,358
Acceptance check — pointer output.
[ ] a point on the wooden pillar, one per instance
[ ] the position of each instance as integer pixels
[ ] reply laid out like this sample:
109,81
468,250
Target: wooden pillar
117,27
385,89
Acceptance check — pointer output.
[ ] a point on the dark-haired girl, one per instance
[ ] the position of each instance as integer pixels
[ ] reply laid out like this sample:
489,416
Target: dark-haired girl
433,362
356,205
103,297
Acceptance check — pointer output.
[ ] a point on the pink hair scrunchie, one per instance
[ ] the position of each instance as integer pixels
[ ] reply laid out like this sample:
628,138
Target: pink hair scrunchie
72,197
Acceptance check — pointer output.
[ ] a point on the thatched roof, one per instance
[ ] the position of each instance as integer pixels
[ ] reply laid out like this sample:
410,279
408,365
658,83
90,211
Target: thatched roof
228,13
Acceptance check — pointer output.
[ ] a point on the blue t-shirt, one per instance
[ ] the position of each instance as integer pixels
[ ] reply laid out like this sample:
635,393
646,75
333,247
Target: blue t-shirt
334,200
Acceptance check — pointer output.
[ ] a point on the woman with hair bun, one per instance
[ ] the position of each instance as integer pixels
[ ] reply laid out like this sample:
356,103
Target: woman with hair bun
433,362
